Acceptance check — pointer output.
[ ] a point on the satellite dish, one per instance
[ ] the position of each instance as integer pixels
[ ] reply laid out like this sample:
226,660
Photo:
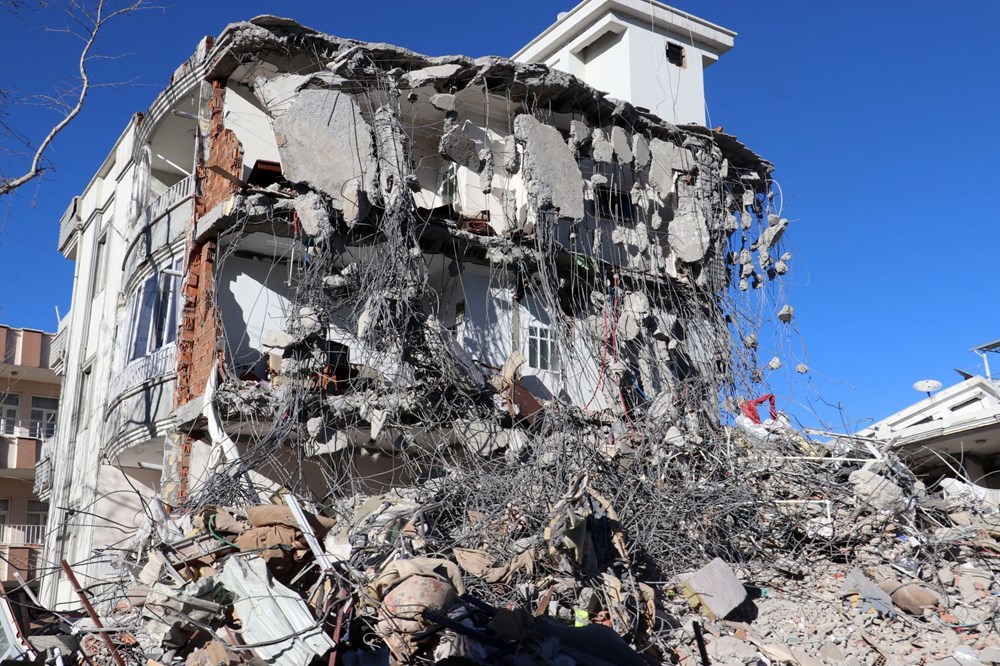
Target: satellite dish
927,386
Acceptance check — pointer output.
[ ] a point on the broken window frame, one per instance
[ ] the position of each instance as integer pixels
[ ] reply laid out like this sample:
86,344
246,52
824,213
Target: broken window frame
153,313
605,198
10,413
543,349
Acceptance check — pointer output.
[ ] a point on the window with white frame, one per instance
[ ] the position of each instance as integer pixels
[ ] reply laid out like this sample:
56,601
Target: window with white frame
9,407
153,313
543,354
43,416
38,512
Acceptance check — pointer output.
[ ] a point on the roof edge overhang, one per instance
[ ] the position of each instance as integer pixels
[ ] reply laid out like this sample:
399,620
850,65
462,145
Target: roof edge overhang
709,36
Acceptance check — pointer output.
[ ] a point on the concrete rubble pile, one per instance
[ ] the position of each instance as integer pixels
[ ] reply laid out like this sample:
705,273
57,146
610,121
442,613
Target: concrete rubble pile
842,562
424,498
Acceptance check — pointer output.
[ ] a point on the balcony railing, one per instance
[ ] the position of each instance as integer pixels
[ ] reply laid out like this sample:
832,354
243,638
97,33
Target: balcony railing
22,535
43,478
57,351
172,197
157,364
28,428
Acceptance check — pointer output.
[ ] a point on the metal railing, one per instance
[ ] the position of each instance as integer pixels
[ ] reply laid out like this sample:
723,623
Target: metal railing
146,368
57,350
43,477
172,197
27,428
22,535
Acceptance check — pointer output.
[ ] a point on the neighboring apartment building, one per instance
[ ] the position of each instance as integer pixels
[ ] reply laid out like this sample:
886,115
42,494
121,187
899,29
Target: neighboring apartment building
29,403
313,257
953,435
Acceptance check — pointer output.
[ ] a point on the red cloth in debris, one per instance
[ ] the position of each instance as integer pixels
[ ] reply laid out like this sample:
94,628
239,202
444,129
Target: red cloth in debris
749,408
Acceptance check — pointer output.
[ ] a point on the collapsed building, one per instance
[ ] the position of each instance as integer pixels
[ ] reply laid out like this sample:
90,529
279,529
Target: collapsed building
379,261
359,329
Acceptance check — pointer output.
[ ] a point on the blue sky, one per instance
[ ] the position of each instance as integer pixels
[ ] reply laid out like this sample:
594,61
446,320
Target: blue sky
881,119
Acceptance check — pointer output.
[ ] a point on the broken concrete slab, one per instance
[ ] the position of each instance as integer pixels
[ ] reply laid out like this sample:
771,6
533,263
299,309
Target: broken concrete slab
640,150
443,102
667,159
714,588
552,176
687,232
429,75
456,146
313,215
876,490
579,134
619,140
316,125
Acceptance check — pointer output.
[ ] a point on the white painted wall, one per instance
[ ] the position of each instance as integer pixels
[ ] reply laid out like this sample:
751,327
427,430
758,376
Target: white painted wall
252,126
253,299
619,47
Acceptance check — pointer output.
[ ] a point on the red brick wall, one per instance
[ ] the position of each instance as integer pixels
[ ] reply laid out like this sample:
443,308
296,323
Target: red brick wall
225,152
197,345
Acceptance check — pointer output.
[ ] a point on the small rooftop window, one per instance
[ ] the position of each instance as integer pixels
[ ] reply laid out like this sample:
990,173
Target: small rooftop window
675,54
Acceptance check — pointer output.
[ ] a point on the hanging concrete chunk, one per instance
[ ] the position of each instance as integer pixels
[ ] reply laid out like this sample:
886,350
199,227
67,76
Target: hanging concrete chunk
312,214
603,149
579,134
786,313
775,230
551,174
443,102
318,125
619,139
668,158
488,168
688,233
511,159
640,150
456,146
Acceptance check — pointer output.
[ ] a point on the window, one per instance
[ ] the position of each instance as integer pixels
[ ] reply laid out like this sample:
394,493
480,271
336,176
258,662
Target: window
44,412
154,313
38,512
458,325
9,404
100,265
675,54
82,398
542,351
611,203
4,511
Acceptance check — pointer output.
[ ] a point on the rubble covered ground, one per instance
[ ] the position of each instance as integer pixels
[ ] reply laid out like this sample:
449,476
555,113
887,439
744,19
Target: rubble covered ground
396,481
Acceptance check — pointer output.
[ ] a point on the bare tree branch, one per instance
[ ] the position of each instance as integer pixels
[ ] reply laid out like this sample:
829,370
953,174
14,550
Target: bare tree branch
92,22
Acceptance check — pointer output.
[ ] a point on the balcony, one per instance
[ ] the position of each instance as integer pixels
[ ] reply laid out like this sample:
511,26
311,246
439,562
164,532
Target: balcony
157,365
171,198
22,535
23,560
19,452
57,349
43,478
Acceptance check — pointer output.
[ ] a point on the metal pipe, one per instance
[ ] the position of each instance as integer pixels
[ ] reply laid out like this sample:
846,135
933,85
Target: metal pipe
94,617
